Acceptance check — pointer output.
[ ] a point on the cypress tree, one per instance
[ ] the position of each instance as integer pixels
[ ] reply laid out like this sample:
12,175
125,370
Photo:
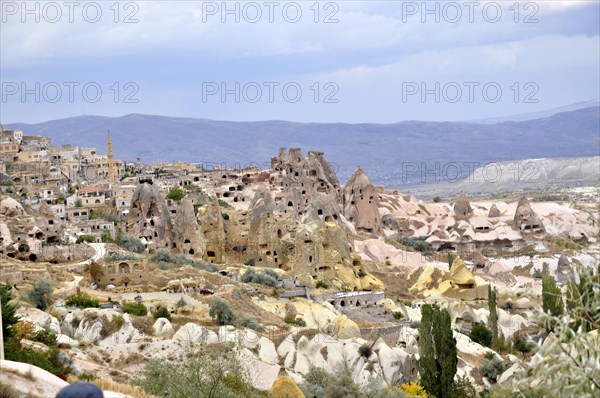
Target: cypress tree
493,311
437,352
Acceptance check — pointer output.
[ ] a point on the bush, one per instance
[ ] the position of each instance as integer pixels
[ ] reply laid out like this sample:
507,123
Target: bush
163,256
414,389
205,267
220,311
180,303
537,274
522,346
437,199
482,335
82,300
85,238
251,324
137,309
398,314
40,294
418,244
162,312
365,350
492,368
120,257
45,336
321,285
297,321
131,243
175,194
261,277
225,216
206,371
463,388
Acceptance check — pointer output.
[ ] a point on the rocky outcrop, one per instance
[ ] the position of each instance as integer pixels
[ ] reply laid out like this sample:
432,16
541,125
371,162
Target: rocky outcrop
361,204
149,217
212,231
462,207
526,220
49,223
494,212
564,271
20,236
186,236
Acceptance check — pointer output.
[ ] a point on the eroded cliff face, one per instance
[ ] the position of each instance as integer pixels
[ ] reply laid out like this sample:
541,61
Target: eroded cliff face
149,217
361,204
20,235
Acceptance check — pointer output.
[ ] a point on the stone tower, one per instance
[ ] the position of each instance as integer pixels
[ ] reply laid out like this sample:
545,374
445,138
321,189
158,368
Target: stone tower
111,166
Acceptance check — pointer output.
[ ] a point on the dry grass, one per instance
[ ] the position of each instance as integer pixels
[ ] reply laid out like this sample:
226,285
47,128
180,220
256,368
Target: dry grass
110,385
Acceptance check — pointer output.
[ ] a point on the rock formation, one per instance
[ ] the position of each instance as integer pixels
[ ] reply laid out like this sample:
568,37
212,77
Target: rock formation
494,212
20,237
148,216
526,220
360,203
462,207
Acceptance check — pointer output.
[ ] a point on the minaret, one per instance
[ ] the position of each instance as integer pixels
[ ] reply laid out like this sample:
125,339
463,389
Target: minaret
111,167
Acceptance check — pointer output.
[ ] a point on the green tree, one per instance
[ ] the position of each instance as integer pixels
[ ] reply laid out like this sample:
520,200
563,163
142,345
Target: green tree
9,311
131,243
162,312
493,312
437,349
551,299
176,194
220,311
482,335
450,260
40,294
580,297
209,371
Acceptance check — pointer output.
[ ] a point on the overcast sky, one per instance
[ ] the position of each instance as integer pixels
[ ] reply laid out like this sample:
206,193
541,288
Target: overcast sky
353,61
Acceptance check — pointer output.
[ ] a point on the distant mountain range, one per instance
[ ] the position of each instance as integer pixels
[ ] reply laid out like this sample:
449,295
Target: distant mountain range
391,154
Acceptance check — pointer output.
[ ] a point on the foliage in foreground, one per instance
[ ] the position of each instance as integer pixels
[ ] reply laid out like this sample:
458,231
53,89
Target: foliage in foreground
566,365
210,371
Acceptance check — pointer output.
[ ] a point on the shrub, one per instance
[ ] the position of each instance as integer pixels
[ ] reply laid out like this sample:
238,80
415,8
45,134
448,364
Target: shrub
492,368
85,238
537,274
250,262
162,312
137,309
261,277
419,244
463,388
175,194
87,376
205,267
220,311
163,256
522,346
365,350
297,321
251,324
106,237
120,257
46,336
437,199
82,300
206,371
8,310
40,294
131,243
111,326
482,335
398,314
321,285
180,303
414,389
225,216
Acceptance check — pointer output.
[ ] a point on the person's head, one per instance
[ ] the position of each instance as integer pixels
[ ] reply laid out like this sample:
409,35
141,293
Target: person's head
80,390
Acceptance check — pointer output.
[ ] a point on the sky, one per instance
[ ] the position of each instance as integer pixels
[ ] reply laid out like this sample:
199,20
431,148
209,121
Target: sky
305,61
